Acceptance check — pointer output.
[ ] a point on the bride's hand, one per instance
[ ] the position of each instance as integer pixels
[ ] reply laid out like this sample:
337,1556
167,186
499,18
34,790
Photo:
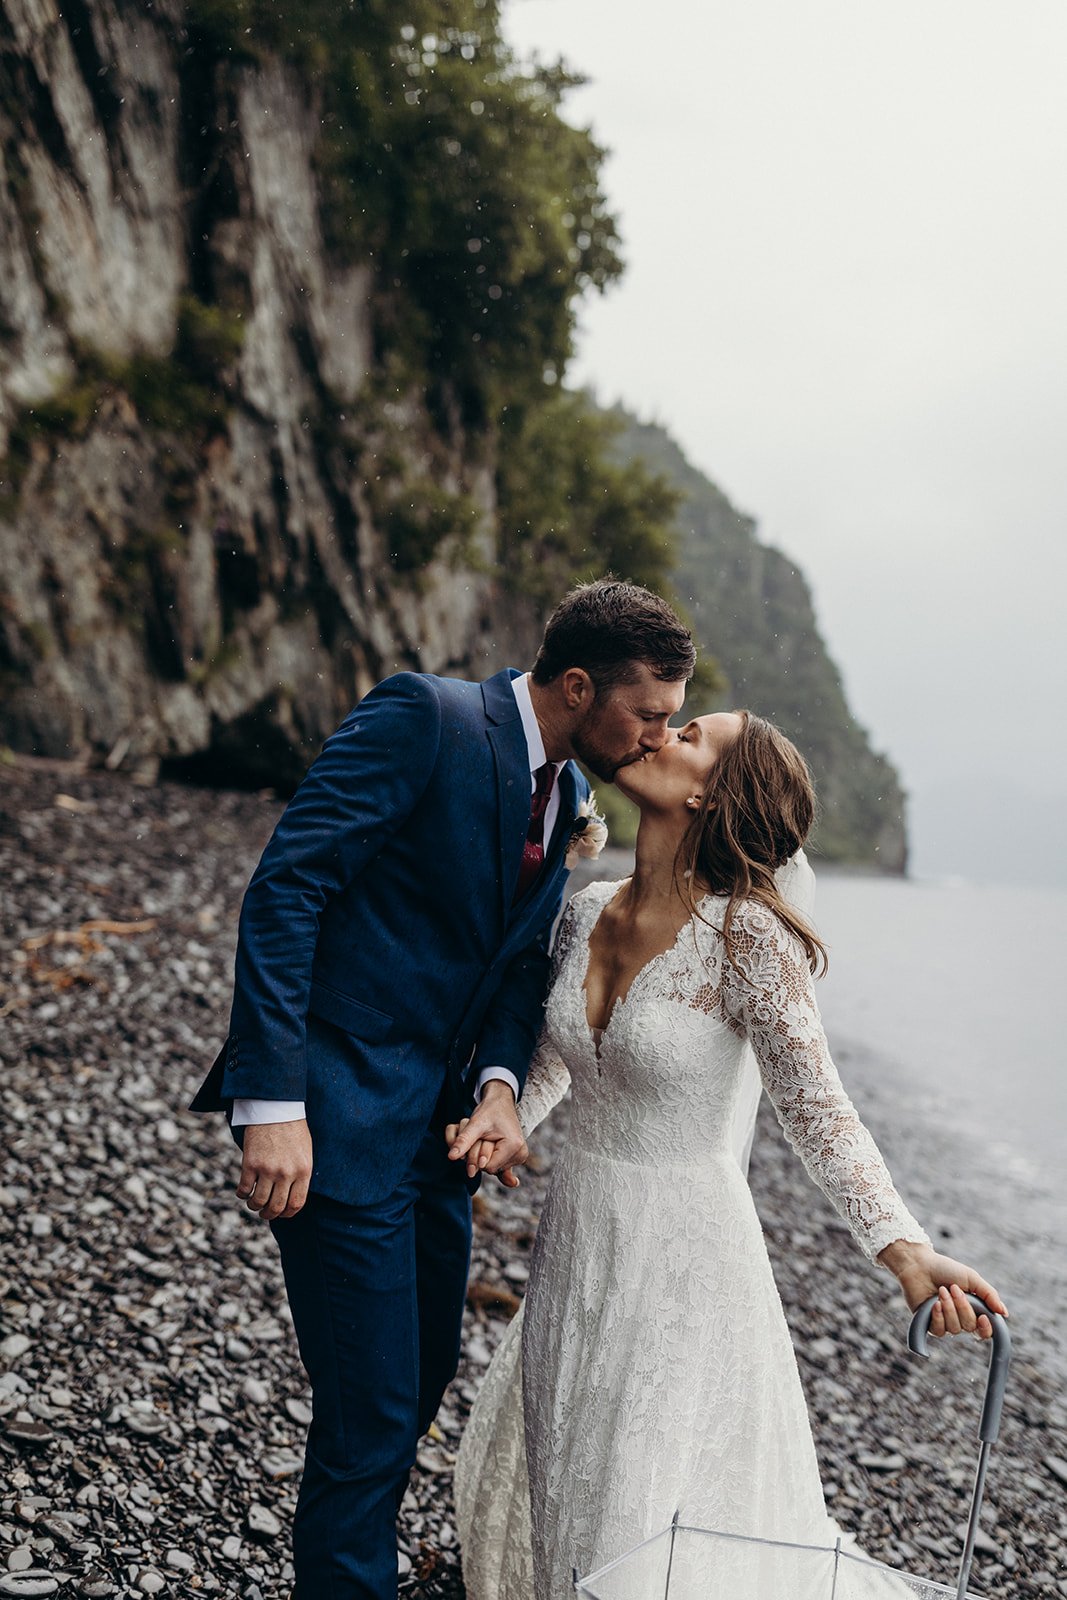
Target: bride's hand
479,1153
922,1272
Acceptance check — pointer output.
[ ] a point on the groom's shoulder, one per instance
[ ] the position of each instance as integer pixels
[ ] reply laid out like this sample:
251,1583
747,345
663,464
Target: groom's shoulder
428,689
474,697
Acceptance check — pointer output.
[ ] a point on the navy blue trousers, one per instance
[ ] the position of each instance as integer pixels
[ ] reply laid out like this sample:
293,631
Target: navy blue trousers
377,1299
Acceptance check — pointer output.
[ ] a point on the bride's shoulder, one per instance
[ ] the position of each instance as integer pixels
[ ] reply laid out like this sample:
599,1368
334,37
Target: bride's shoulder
753,925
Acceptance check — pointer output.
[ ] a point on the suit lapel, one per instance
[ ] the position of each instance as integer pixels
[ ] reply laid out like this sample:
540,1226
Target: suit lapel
568,809
512,764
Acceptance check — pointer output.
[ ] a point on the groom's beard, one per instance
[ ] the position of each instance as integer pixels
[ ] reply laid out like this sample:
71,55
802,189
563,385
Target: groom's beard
602,763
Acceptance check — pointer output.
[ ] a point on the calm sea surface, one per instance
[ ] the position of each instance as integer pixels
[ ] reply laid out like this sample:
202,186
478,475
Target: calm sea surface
943,1007
958,990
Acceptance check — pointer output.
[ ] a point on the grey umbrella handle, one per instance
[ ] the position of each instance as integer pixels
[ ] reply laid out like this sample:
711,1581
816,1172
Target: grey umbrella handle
999,1361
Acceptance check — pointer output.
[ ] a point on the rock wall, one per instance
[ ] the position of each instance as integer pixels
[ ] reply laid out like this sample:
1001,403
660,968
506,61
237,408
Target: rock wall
200,560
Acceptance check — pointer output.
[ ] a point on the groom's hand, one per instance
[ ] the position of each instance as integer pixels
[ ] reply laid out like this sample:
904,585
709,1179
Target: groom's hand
276,1168
490,1139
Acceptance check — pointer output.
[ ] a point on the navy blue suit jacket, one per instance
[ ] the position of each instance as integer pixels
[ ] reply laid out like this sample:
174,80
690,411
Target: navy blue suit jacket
380,961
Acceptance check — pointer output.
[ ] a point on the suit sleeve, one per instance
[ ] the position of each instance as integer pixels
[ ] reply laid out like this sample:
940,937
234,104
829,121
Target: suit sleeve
370,776
513,1019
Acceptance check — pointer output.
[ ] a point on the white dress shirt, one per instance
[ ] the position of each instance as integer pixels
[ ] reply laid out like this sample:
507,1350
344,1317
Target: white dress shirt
247,1111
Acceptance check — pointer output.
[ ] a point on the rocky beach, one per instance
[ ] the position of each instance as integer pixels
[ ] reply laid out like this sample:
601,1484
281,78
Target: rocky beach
152,1408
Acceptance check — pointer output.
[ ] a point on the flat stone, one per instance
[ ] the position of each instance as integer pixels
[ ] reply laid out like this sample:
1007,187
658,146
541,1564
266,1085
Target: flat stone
34,1581
146,1423
824,1349
300,1412
20,1559
890,1463
1058,1467
96,1585
278,1464
26,1431
179,1560
983,1543
262,1523
151,1582
14,1346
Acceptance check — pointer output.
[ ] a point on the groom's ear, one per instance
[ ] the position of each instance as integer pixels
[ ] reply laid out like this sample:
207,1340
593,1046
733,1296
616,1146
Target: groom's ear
578,688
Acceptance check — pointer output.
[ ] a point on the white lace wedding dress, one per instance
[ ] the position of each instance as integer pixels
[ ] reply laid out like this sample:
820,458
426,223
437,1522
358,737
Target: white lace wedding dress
652,1369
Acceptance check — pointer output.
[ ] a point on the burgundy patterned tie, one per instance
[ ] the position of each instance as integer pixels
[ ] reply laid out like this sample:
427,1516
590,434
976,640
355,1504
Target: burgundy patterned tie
533,851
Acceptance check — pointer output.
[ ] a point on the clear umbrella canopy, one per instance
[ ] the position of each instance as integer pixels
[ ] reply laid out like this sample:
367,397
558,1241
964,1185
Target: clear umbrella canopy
696,1564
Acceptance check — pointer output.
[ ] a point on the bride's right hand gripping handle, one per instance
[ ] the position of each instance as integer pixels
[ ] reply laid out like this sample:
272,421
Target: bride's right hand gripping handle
999,1360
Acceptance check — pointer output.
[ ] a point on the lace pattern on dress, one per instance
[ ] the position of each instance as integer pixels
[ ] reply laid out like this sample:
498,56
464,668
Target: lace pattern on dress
773,999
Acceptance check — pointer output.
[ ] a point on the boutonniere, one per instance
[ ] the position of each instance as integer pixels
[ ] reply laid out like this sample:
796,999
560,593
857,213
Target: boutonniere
589,833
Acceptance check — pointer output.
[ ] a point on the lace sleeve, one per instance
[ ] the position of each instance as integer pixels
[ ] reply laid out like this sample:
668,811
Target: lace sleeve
548,1079
773,1000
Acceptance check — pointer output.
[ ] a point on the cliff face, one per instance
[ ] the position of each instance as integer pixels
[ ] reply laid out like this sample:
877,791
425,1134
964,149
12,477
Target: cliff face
208,520
752,611
277,401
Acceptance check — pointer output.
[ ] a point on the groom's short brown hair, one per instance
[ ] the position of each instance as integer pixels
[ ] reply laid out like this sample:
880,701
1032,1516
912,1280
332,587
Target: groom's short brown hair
607,628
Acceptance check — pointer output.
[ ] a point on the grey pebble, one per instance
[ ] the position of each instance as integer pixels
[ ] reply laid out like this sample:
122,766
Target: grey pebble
824,1349
300,1412
890,1463
262,1523
96,1585
14,1346
34,1581
26,1431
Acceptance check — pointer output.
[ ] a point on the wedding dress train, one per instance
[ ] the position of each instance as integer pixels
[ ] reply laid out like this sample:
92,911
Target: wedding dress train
652,1368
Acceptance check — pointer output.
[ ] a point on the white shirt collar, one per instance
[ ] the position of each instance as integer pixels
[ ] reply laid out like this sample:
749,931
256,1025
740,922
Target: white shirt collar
535,744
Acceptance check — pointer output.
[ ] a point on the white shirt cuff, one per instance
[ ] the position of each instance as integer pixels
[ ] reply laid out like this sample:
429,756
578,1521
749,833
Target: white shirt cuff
488,1074
247,1112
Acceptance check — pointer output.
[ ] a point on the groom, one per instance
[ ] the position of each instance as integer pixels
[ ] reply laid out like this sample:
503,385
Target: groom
391,968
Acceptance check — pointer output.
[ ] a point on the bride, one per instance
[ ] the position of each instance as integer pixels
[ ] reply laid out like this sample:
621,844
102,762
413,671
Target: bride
652,1368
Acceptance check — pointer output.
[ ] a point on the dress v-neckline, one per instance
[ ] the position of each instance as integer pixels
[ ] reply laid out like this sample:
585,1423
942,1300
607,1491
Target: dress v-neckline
598,1035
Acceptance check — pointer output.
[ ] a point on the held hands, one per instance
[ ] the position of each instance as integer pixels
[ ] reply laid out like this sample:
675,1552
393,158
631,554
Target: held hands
276,1168
490,1138
921,1272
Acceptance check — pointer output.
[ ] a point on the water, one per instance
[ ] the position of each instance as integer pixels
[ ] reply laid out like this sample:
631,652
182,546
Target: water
941,1005
955,987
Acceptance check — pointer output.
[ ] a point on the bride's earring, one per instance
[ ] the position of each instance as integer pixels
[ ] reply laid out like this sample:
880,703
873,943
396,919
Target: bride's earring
693,802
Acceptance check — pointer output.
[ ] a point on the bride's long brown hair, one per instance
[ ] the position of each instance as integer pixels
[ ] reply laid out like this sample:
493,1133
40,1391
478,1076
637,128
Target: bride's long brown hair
756,811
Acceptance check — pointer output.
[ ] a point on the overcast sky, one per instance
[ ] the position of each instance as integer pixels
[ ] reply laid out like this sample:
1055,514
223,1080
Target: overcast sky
846,233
